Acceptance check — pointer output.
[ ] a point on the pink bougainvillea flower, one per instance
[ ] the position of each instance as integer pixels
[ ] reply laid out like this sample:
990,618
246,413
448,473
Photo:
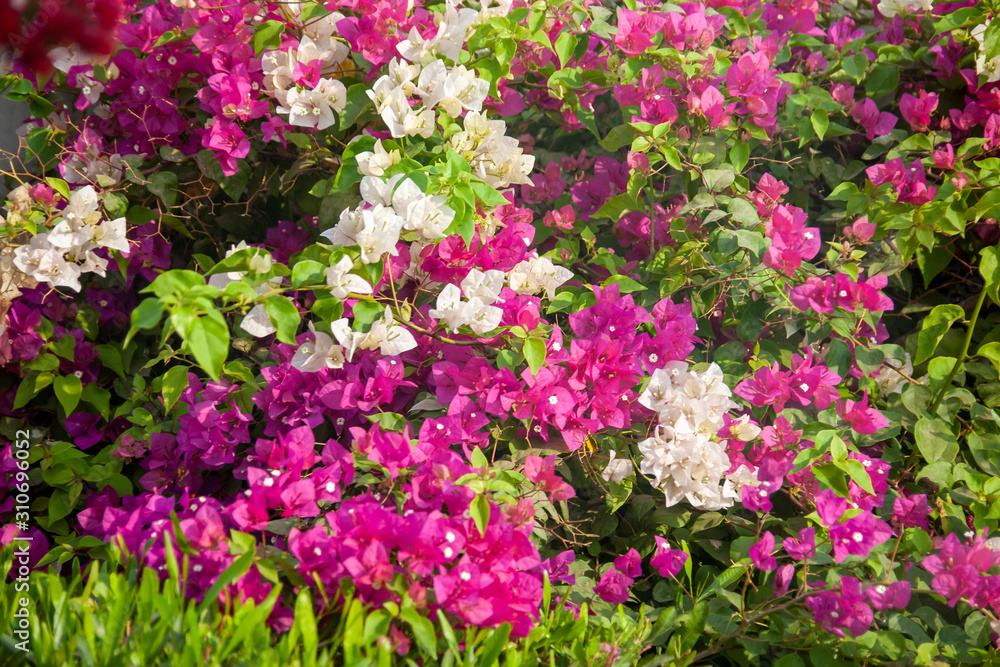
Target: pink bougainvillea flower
911,511
760,553
860,416
614,586
668,562
629,564
636,30
917,111
542,471
803,546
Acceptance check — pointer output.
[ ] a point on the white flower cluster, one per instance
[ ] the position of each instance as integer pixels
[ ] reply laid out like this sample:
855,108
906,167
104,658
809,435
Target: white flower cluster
494,157
988,68
390,208
436,85
454,89
481,290
309,107
682,457
539,273
890,8
61,256
385,335
447,41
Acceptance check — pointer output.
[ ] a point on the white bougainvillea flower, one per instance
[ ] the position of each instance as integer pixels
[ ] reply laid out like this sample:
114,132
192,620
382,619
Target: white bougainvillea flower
534,275
111,234
319,353
617,469
375,163
484,285
342,282
258,323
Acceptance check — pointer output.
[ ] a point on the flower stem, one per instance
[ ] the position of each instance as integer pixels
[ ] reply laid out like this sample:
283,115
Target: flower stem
932,408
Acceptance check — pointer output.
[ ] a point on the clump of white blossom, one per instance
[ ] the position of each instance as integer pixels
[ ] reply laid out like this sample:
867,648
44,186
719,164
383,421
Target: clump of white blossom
425,79
481,290
890,8
309,106
59,257
683,457
988,68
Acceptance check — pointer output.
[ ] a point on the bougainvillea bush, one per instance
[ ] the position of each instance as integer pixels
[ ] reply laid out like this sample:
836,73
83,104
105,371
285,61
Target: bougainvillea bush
435,333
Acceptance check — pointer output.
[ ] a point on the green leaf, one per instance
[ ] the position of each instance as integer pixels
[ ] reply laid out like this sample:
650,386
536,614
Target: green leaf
985,450
625,284
494,645
237,569
565,46
934,327
935,440
99,397
855,66
366,313
857,472
59,185
883,79
268,37
833,478
145,316
868,360
308,271
177,281
305,622
163,184
175,381
695,625
534,353
59,505
843,192
423,631
620,135
990,269
956,19
991,351
717,180
208,338
489,195
68,390
357,103
932,262
820,122
506,48
285,317
739,155
480,509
